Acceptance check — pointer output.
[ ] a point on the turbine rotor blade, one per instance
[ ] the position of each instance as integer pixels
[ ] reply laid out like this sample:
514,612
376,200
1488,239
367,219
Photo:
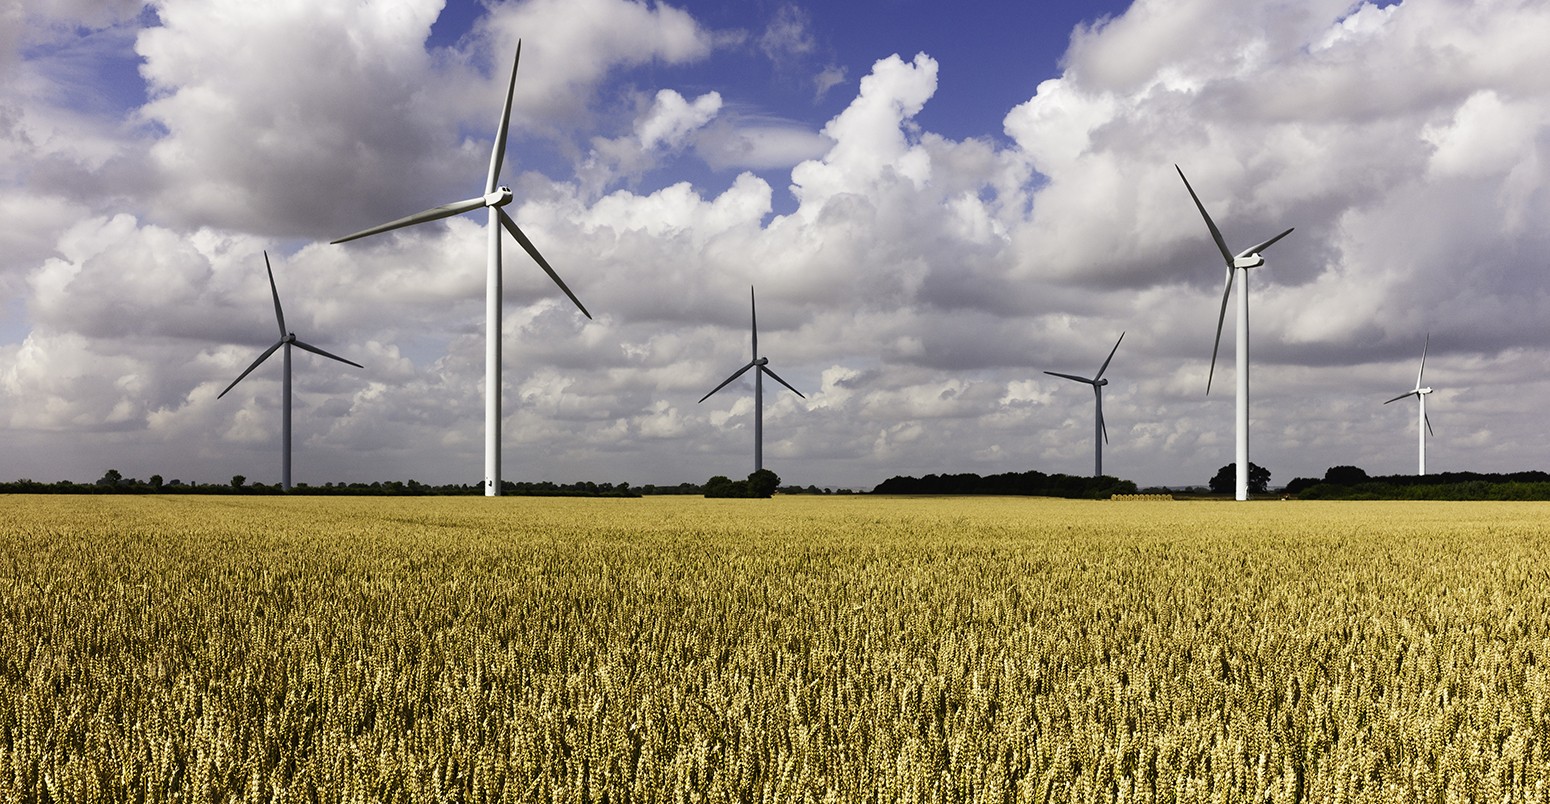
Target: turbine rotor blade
1071,377
1267,244
1216,234
1101,425
432,214
724,382
1220,319
1401,396
261,358
1105,366
1429,425
776,377
498,153
278,314
1423,359
754,309
532,250
313,349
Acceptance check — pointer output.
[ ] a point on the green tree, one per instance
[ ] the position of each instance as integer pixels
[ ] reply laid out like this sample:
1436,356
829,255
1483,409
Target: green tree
238,480
110,478
1344,475
763,483
1226,479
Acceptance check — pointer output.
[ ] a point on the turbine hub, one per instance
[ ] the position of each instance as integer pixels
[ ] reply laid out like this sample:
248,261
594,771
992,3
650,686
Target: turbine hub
1101,382
290,337
762,361
499,198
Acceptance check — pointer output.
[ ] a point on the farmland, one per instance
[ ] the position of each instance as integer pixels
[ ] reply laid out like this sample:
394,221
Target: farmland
834,648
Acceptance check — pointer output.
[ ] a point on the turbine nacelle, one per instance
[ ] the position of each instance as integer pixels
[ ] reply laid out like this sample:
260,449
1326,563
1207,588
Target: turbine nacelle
761,361
499,197
1248,261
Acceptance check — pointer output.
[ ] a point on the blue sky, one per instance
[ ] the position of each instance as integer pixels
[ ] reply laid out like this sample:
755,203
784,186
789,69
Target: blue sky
936,206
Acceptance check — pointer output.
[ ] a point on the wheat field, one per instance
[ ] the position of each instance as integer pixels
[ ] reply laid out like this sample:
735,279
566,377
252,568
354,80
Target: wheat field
796,649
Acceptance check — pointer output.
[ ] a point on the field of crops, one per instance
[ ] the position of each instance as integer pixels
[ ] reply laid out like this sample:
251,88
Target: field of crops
795,649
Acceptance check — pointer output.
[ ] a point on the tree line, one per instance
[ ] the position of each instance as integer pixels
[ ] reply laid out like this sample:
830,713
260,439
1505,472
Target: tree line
1030,483
1353,483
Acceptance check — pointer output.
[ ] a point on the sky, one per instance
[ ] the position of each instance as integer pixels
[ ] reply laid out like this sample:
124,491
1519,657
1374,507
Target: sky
935,206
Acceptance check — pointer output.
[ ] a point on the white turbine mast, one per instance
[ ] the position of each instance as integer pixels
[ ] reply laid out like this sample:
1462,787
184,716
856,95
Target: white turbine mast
1236,264
1100,432
287,339
1423,425
762,364
495,197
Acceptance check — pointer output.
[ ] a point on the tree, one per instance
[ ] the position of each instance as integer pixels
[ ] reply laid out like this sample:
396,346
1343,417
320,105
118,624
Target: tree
1226,479
110,478
238,480
1345,475
763,483
723,486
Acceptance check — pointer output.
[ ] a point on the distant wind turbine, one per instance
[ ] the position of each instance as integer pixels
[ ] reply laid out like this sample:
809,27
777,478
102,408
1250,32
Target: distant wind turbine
1240,263
1421,420
495,197
1100,432
287,339
762,364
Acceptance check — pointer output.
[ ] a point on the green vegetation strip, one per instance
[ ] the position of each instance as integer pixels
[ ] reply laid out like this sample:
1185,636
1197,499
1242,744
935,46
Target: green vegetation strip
841,648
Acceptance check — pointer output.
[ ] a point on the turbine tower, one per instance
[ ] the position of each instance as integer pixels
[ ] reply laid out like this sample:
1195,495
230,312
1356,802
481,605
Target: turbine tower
1423,425
761,363
1239,263
1100,432
495,197
287,339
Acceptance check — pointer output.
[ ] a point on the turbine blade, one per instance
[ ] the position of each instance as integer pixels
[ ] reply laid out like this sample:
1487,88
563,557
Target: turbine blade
1105,366
433,214
1220,319
1423,360
278,314
1101,425
532,250
1267,244
1210,224
1401,396
724,382
776,377
1429,425
313,349
261,358
754,309
498,153
1071,377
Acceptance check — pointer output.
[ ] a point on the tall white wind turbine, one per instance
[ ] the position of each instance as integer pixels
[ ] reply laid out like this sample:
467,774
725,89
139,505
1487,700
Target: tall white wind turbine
287,339
495,197
762,364
1423,425
1239,263
1100,432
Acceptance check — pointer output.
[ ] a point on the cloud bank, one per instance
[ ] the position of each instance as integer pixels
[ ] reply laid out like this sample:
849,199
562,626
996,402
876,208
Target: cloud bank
913,286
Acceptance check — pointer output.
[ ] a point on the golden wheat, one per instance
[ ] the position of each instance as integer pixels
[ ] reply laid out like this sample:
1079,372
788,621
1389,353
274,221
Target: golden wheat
796,649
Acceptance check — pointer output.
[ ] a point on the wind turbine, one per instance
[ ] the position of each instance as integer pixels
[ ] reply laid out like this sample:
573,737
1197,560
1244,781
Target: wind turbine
287,339
1420,394
1242,262
1100,432
495,196
761,363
